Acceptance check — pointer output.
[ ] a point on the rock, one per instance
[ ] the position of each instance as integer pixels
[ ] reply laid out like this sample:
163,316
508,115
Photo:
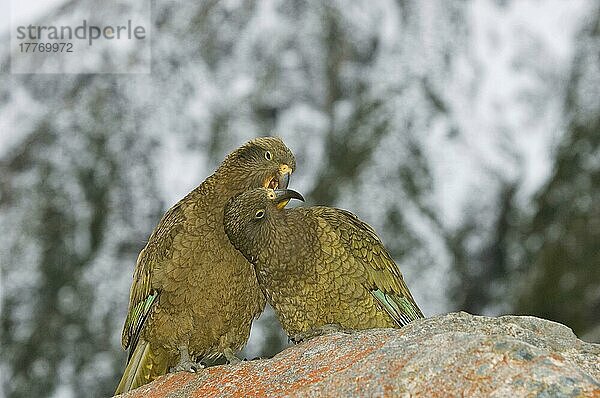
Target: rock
451,355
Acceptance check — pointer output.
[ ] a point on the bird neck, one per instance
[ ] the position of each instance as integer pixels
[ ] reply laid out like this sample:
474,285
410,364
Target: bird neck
221,187
227,182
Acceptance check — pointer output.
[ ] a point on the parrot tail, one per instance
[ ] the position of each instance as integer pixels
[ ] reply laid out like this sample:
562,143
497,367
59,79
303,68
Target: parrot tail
143,366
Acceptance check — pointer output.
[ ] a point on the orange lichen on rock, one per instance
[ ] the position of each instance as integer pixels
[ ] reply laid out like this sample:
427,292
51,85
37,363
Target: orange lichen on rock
451,355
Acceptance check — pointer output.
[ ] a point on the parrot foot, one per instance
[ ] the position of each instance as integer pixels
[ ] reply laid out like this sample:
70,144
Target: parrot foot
318,331
189,366
185,363
232,359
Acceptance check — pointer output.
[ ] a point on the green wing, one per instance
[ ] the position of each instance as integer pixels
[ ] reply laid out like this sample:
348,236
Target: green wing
136,319
142,296
402,309
384,280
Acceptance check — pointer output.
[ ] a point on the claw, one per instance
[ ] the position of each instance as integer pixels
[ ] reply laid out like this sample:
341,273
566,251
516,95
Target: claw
185,363
231,357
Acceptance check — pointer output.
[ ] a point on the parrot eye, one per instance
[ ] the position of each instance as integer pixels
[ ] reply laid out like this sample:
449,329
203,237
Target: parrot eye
259,214
268,155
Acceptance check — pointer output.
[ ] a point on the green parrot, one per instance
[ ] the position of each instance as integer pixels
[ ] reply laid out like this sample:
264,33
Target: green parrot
193,295
320,268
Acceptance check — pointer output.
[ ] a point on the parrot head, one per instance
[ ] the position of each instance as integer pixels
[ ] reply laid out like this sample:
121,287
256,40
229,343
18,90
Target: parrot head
249,216
262,162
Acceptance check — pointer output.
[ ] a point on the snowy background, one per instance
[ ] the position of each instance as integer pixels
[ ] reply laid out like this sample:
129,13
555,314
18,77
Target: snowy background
466,133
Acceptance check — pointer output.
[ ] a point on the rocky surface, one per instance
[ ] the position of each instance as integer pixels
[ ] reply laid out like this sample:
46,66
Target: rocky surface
452,355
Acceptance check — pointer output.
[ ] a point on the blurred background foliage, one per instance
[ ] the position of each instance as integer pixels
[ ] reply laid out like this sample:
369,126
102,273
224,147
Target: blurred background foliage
466,133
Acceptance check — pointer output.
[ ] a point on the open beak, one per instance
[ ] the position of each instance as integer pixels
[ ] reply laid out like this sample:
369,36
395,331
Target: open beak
281,180
283,196
283,177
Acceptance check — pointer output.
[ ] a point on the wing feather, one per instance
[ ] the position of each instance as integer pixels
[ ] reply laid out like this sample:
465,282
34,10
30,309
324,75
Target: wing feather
384,279
142,296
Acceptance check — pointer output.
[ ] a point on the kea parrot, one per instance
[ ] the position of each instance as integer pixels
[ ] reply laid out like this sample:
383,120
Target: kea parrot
193,295
320,268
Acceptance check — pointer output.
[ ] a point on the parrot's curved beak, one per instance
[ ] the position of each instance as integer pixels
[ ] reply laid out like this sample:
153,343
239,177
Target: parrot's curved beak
279,180
283,196
283,177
